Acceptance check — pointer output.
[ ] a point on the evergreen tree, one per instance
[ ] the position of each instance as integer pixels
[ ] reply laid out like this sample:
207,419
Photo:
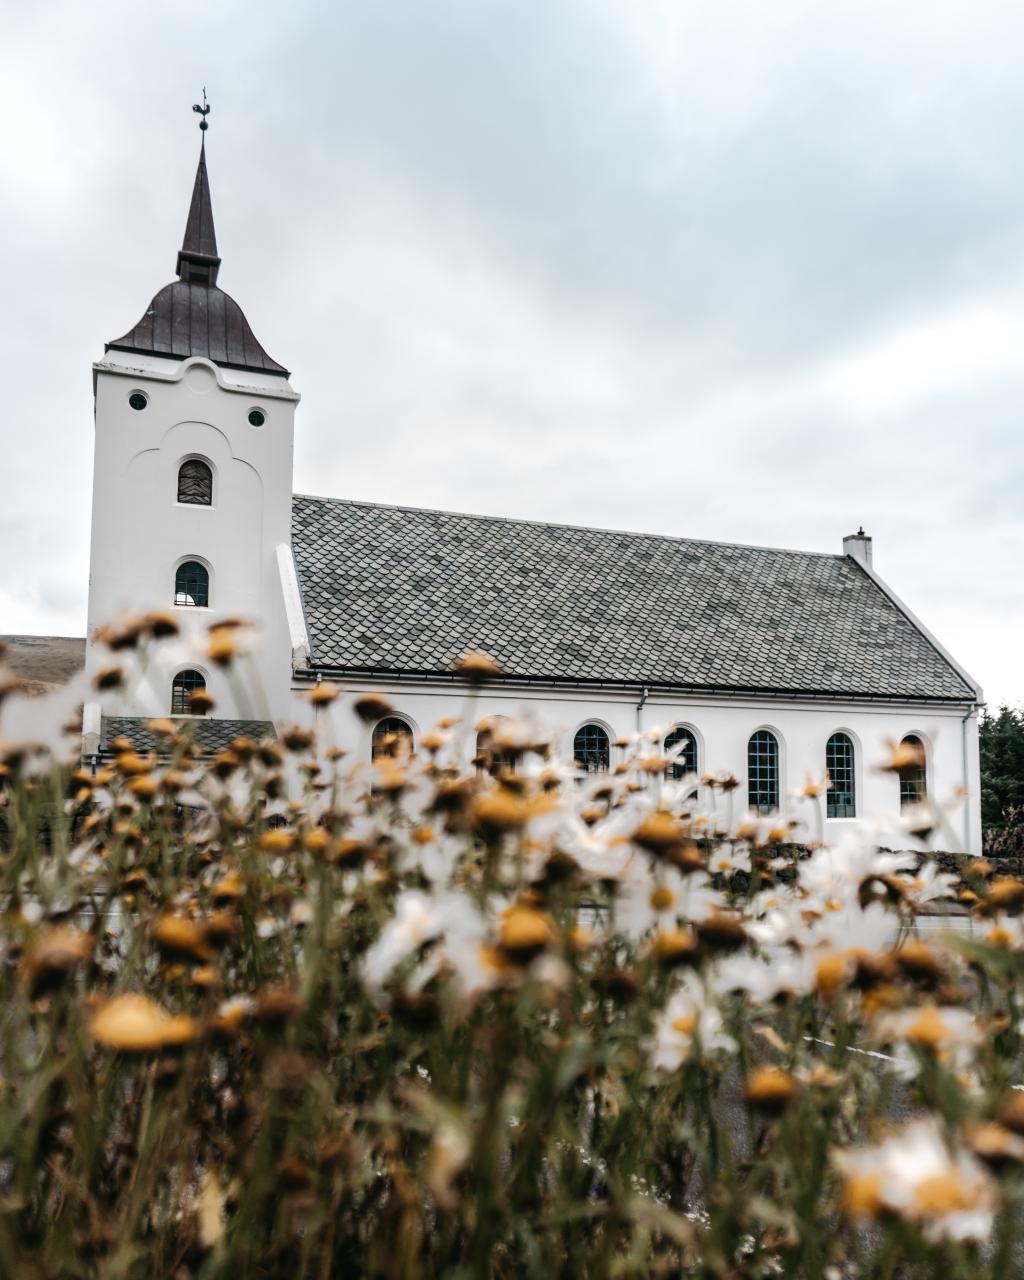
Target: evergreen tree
1002,766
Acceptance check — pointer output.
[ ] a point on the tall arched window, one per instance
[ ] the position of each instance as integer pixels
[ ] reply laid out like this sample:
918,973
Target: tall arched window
490,757
195,482
913,775
392,736
192,584
841,800
686,761
763,771
591,750
183,686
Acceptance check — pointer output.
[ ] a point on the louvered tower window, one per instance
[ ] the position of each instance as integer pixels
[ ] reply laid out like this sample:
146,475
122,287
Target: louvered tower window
591,750
392,736
686,762
184,685
763,771
841,801
913,777
192,585
195,483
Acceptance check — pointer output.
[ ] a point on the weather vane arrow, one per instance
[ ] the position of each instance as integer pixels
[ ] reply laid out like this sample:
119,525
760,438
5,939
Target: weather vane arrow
203,111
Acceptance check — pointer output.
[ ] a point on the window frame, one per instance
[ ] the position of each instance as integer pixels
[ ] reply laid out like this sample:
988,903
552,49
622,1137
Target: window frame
764,809
178,566
485,758
396,718
205,686
677,772
831,800
908,799
593,724
182,463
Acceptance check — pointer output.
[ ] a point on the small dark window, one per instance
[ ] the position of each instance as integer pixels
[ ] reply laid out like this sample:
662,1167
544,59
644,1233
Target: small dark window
490,757
198,275
192,585
590,749
257,417
841,801
913,776
763,772
195,483
185,684
391,737
686,762
137,400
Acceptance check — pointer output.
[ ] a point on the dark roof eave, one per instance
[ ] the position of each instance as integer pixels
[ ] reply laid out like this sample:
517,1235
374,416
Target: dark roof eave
171,355
638,686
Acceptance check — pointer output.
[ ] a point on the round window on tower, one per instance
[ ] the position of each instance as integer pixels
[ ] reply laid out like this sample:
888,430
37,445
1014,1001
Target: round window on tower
138,400
257,417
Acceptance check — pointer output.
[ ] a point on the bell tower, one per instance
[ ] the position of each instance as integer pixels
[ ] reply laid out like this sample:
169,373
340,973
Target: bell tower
192,487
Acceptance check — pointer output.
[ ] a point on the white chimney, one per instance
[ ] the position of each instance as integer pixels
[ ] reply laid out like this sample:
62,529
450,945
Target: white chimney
858,545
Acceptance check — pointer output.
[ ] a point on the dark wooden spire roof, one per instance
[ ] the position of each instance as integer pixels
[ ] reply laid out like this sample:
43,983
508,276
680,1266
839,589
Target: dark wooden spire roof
191,316
198,252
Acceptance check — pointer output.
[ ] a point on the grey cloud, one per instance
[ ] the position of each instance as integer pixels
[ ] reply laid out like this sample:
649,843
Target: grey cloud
547,260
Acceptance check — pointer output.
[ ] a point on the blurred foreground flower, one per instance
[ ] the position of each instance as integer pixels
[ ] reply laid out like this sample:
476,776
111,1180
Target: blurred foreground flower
915,1175
135,1024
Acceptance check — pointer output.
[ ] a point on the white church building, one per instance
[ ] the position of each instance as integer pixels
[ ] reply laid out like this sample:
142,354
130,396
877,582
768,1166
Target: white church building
771,663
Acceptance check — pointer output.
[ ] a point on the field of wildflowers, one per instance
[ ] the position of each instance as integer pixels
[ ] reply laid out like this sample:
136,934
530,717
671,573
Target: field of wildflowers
281,1012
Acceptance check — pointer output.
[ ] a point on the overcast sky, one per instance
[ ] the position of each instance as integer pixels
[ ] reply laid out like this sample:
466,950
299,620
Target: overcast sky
748,272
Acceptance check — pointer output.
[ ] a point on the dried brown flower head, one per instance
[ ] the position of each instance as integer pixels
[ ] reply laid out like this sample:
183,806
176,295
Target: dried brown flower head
324,694
53,955
903,755
673,947
371,707
524,932
135,1024
477,667
132,765
297,739
160,625
108,678
771,1089
277,840
179,936
1006,894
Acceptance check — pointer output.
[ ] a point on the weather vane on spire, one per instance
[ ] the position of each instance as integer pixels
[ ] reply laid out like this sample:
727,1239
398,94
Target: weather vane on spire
203,110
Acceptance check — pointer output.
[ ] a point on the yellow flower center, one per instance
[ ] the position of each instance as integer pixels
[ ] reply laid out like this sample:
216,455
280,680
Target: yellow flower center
944,1193
662,898
928,1028
862,1194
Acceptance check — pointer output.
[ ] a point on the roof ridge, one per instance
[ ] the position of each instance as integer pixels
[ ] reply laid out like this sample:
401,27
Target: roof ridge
561,524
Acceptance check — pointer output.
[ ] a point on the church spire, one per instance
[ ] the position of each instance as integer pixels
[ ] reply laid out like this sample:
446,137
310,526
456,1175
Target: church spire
198,262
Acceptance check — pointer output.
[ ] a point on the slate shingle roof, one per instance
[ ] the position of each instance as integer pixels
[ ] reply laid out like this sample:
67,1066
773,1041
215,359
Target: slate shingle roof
211,735
406,590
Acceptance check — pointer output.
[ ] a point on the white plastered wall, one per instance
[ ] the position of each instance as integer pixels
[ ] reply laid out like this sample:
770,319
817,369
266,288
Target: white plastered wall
723,727
140,532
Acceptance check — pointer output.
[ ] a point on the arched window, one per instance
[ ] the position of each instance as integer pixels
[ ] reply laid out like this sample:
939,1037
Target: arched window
490,757
195,483
392,736
590,749
913,775
841,800
184,685
192,584
763,771
686,761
